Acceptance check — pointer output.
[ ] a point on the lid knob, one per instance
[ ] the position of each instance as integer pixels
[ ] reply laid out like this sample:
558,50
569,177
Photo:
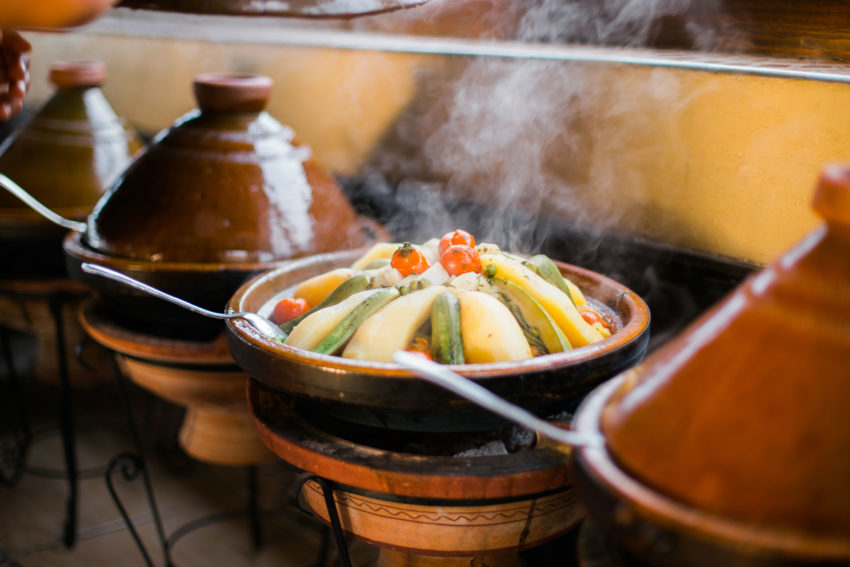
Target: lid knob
832,198
232,92
70,74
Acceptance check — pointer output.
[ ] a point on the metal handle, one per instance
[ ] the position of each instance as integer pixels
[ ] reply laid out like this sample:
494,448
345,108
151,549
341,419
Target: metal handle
440,375
134,283
35,205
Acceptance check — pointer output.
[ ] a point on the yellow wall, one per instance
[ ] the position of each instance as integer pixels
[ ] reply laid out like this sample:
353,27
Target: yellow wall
717,162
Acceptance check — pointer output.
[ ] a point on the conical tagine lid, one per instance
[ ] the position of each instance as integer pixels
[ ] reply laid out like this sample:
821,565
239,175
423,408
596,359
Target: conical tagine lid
746,415
73,149
226,184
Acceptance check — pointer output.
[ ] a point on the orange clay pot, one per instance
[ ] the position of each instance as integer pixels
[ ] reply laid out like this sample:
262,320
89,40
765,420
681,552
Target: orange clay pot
731,443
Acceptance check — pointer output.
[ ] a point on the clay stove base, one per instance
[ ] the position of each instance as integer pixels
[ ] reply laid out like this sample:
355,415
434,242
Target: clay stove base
221,433
390,558
200,376
448,533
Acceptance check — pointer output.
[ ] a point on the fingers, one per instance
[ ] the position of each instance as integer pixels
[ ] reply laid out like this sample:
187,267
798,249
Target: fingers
14,73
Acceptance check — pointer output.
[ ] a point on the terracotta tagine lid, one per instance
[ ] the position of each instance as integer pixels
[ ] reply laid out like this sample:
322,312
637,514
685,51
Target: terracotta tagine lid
744,416
226,184
70,152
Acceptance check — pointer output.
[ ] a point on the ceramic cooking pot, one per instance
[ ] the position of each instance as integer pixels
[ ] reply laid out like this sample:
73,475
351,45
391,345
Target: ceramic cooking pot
730,445
292,8
389,396
66,157
224,193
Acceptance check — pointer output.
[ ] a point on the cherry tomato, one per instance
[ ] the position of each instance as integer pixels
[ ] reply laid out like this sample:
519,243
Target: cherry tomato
459,259
457,237
288,309
409,260
591,317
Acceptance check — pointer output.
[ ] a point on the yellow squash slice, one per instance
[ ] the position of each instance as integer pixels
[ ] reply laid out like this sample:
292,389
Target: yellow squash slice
317,288
380,251
553,300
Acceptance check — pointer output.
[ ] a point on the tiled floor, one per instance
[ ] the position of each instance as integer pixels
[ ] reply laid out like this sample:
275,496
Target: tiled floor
32,511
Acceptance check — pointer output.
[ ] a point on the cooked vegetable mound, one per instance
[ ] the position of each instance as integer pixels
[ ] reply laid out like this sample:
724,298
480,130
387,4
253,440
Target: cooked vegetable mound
449,299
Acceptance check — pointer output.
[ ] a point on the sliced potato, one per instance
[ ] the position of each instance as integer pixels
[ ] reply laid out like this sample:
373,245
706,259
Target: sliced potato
553,300
379,251
317,288
490,332
310,332
392,327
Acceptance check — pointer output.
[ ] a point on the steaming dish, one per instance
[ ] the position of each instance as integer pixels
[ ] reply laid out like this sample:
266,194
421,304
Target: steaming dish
449,299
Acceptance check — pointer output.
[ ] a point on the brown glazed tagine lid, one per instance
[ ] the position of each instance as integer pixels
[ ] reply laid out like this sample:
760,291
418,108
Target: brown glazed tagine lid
226,184
739,427
69,153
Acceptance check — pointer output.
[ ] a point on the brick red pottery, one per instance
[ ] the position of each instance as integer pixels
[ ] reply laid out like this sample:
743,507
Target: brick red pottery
224,193
730,445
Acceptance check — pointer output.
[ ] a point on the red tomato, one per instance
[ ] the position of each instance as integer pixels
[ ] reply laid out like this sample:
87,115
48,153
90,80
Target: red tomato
409,260
288,309
457,237
459,259
591,317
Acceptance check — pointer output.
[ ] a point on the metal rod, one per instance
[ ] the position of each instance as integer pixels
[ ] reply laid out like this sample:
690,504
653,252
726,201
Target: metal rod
15,457
138,461
130,465
35,205
277,31
333,515
440,375
66,421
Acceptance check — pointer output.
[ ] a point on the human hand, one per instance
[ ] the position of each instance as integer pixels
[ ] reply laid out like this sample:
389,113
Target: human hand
14,72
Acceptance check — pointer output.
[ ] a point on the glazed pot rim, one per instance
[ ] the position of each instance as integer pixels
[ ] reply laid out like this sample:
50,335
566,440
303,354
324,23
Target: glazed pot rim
651,506
75,247
628,301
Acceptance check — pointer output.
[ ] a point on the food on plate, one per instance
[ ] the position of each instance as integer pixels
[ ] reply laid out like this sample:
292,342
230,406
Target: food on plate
450,299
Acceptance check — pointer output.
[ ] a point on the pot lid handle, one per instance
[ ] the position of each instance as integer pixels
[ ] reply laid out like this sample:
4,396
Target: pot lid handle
232,92
71,74
832,198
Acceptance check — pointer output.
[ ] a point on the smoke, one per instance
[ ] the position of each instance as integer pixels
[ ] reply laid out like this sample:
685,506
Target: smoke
536,139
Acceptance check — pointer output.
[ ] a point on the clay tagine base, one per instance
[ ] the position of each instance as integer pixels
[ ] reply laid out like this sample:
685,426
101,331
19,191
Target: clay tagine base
416,498
200,376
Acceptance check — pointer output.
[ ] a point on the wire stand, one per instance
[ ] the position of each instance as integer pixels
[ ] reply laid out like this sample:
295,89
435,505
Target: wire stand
13,452
132,466
55,301
328,489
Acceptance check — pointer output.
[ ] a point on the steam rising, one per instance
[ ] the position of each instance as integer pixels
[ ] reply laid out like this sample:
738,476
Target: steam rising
536,137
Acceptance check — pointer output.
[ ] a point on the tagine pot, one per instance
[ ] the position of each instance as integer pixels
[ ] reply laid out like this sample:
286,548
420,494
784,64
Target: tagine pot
730,445
66,157
224,193
386,395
